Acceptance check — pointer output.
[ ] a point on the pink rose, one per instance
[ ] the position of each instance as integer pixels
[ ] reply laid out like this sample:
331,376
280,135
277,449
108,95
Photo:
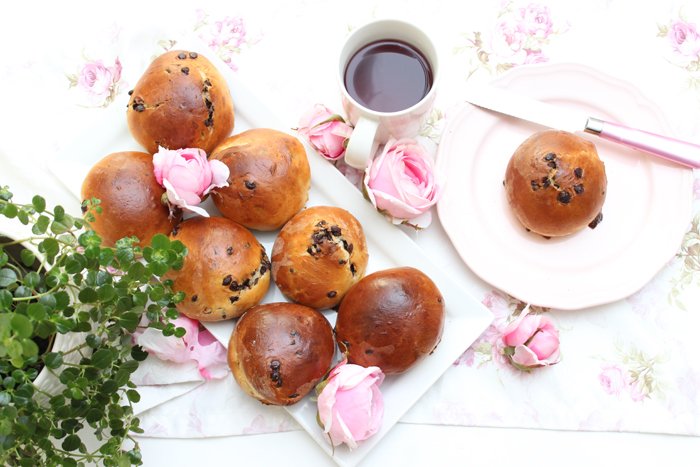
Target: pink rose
99,83
535,21
508,42
684,39
325,131
401,182
613,379
188,176
350,405
531,341
196,345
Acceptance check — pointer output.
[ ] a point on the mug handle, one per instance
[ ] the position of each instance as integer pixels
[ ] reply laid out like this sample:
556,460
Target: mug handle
362,144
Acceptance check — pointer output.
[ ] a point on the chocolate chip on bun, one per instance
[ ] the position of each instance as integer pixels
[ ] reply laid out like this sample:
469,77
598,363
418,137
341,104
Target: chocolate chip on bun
269,181
130,198
318,255
555,183
181,101
226,270
391,319
278,352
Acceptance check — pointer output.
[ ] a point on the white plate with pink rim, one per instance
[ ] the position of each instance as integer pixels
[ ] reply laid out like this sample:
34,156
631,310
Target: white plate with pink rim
646,212
388,246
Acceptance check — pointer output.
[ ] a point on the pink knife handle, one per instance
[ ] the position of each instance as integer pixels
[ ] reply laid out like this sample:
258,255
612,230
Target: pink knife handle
681,152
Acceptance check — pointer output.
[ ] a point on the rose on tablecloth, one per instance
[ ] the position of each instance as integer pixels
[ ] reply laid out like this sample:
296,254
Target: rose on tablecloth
401,182
188,176
350,404
197,344
326,132
97,82
531,341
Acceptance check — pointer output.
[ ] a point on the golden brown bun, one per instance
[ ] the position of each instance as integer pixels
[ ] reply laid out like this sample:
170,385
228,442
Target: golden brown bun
269,181
226,270
278,352
391,319
555,183
130,198
181,101
318,255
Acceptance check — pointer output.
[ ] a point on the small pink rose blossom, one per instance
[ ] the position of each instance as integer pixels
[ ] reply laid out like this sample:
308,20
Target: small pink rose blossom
508,42
535,21
613,379
325,131
402,183
684,39
531,341
98,83
196,345
350,404
188,176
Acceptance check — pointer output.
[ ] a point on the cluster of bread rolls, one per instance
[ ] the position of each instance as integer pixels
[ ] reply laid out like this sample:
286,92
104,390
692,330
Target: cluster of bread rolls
277,352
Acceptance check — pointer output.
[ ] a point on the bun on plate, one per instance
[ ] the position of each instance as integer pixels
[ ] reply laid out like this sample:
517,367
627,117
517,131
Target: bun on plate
555,183
181,101
391,319
278,352
225,272
318,255
130,198
269,181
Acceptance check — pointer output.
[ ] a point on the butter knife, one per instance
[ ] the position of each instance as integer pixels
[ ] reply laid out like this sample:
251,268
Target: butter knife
552,116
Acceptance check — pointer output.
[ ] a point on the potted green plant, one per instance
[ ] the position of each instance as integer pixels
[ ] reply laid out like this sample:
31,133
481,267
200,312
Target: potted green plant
68,306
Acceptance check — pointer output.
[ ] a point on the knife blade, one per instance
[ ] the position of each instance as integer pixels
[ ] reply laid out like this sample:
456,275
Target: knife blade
561,118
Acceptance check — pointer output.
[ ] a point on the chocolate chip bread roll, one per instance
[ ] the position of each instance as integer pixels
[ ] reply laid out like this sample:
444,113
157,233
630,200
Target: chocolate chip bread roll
278,352
391,319
318,255
226,270
130,198
181,101
270,178
555,183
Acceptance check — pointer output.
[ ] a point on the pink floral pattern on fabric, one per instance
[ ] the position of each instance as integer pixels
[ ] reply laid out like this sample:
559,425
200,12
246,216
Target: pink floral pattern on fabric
97,82
632,377
226,36
683,39
519,37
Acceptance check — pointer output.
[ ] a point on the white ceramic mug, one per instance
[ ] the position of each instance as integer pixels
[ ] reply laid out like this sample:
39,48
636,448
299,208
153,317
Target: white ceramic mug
373,127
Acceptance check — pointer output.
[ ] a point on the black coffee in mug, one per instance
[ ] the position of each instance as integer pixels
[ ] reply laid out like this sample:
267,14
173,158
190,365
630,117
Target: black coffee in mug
388,75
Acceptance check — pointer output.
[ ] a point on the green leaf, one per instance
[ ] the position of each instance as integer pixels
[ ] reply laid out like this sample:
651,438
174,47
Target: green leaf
88,295
5,299
160,242
102,358
58,213
61,226
21,325
41,224
27,257
106,256
36,311
133,395
32,280
23,216
39,203
53,360
7,277
3,257
29,348
71,443
48,300
10,211
138,354
106,293
129,321
49,246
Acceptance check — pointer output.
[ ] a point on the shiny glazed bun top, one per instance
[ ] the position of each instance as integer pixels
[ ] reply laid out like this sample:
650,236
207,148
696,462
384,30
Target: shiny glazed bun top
278,352
130,198
555,183
392,319
270,178
181,101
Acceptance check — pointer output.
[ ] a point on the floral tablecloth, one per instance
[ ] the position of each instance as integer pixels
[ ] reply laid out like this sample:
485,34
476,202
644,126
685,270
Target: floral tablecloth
626,366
